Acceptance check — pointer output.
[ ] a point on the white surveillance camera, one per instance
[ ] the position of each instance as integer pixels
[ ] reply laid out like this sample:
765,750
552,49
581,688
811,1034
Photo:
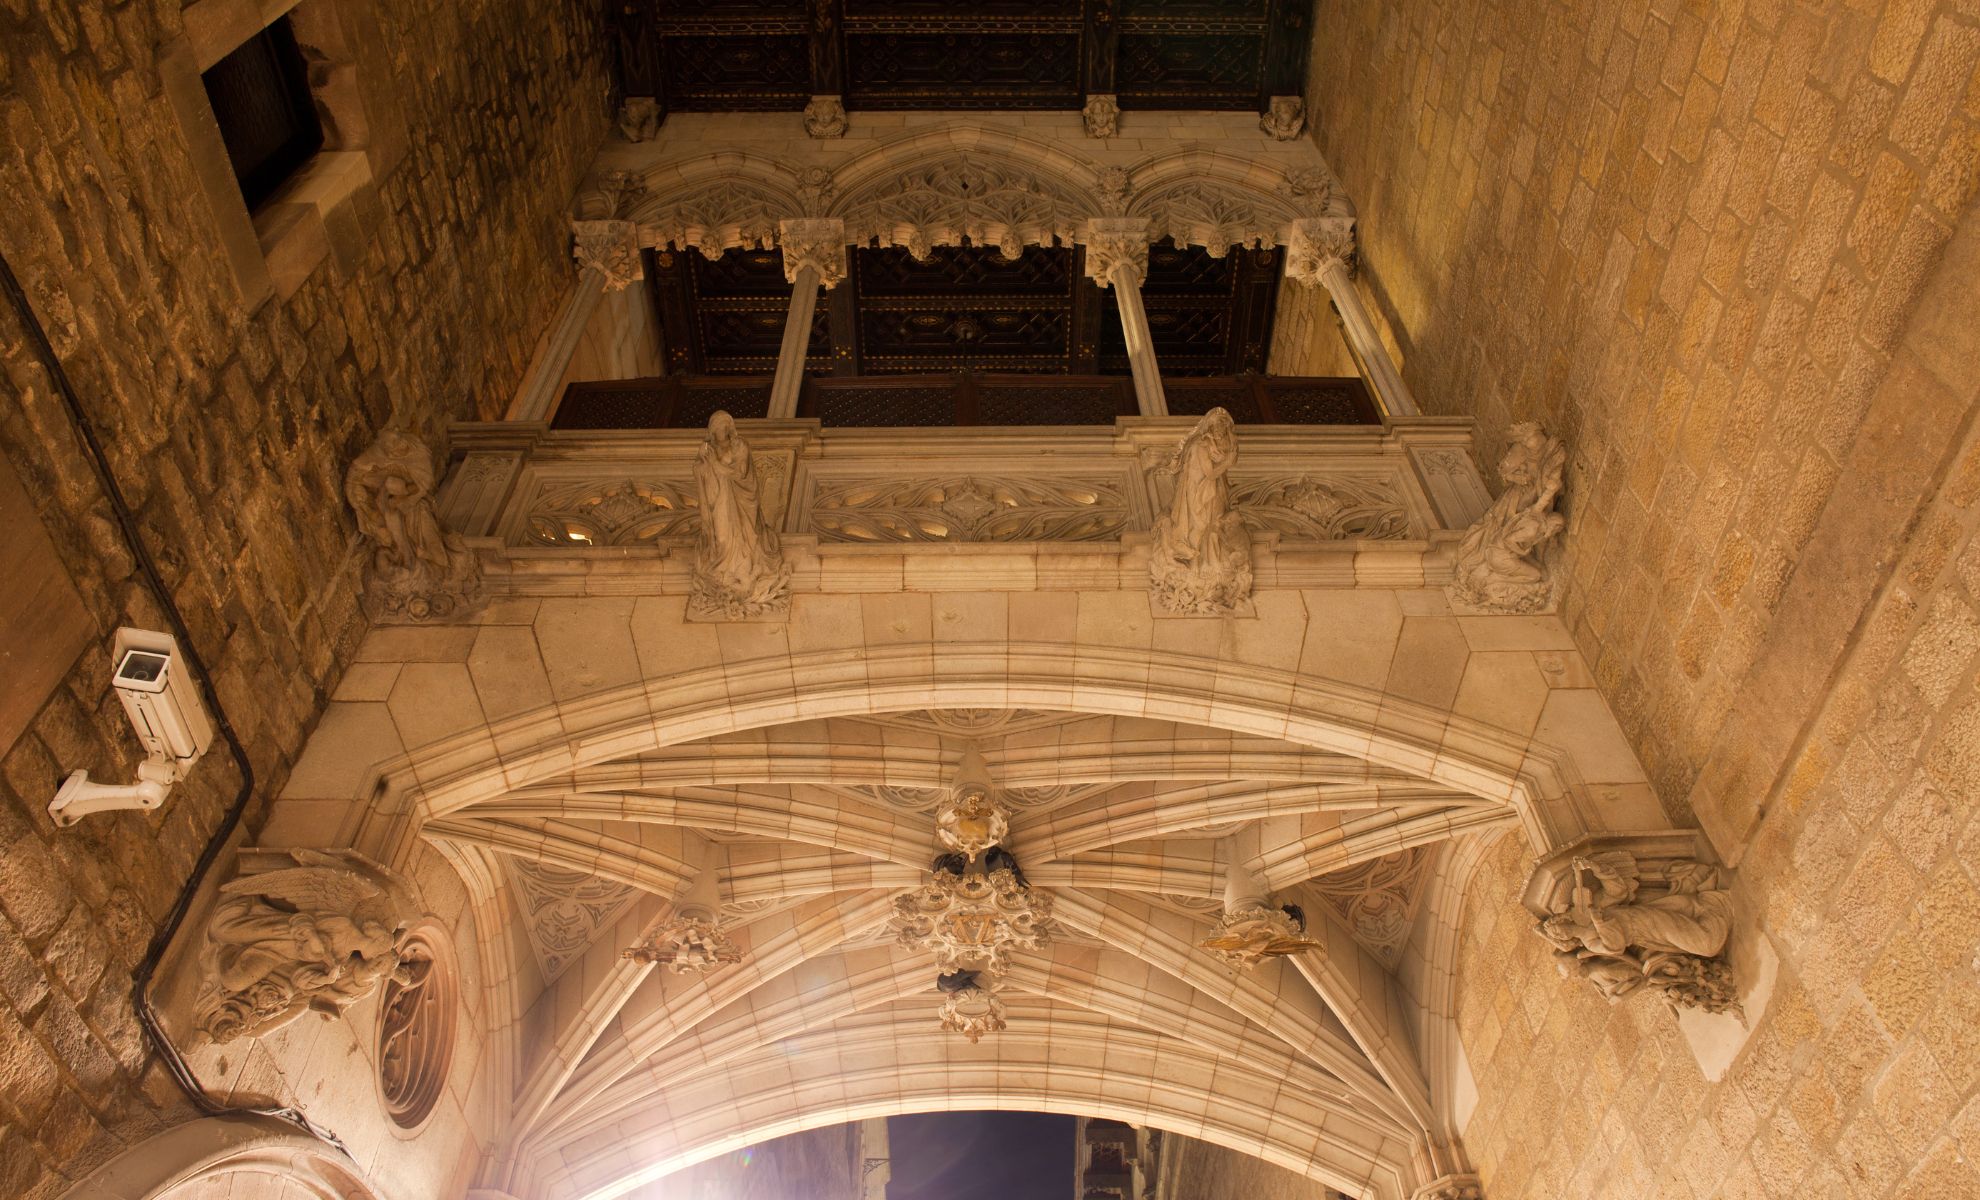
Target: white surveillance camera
160,696
163,702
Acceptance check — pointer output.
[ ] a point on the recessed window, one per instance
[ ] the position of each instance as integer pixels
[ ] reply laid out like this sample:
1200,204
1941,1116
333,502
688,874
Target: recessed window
260,95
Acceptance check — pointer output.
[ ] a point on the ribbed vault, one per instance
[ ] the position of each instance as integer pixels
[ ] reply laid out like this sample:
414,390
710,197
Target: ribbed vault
812,827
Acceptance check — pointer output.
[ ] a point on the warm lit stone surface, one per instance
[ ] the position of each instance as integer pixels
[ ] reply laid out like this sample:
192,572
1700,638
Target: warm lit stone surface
229,431
1687,237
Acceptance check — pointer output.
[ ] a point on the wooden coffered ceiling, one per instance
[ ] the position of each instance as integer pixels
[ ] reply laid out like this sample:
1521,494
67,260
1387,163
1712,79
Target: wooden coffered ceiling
966,308
774,55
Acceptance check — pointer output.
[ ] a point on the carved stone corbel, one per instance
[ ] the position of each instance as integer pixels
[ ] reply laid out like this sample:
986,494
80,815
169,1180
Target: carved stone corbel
815,242
686,945
825,117
1501,563
639,118
303,931
611,248
416,569
1284,118
1639,912
1102,115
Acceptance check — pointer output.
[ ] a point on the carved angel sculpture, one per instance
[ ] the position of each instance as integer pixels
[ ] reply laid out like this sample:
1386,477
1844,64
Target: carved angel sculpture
1620,941
1252,933
739,568
418,571
1499,565
315,937
1201,561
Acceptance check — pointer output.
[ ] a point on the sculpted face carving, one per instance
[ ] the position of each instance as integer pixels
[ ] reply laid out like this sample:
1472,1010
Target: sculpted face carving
739,568
1102,115
1623,932
1285,119
825,117
417,570
313,937
1499,562
1201,560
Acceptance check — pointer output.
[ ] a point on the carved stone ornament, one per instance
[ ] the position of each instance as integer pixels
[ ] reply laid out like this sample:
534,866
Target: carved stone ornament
416,569
973,921
1199,212
1115,186
1200,563
686,946
639,118
969,508
1251,933
973,1012
1320,245
988,201
1626,924
1500,563
739,568
1102,115
1451,1187
1116,250
721,215
564,911
815,242
971,821
1377,899
1324,508
315,934
1285,118
610,248
825,117
816,187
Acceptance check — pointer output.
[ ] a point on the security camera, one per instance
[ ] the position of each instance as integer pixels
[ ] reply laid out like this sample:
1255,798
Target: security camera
162,700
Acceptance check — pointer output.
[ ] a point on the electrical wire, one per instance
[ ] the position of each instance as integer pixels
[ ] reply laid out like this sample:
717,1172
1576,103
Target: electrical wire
154,1031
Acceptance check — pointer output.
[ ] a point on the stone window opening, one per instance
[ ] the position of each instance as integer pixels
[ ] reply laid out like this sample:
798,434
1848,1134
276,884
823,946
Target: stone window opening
261,97
288,125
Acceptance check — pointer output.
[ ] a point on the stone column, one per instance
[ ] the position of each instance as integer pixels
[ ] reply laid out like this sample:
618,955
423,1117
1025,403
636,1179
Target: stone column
814,256
1117,257
1322,255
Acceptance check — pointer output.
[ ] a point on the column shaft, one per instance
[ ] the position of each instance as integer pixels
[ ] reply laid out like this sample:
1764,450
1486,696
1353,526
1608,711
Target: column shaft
1148,393
797,339
1390,390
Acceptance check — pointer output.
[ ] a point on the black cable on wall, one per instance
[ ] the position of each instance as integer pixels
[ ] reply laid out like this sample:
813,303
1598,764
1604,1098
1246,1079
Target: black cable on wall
147,568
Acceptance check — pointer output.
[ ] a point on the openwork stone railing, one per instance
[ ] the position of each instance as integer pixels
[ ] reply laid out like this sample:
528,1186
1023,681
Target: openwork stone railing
562,511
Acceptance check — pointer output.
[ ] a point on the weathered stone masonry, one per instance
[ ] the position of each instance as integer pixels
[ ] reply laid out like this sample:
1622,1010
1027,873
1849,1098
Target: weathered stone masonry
229,430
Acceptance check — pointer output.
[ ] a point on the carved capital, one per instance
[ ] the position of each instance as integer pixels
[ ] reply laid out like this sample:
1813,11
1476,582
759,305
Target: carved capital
611,248
1319,245
1102,115
825,117
1116,250
299,931
815,242
416,569
639,118
1450,1187
1639,912
1285,118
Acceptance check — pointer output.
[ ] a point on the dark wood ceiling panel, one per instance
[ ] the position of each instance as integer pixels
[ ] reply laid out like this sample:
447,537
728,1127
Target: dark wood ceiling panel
964,307
747,55
1206,316
725,316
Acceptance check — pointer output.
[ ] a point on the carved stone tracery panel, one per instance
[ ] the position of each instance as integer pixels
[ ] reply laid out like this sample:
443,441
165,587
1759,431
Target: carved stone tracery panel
968,508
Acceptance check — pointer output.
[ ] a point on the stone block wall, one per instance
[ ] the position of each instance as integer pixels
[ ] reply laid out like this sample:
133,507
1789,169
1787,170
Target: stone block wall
229,429
1687,236
1861,1079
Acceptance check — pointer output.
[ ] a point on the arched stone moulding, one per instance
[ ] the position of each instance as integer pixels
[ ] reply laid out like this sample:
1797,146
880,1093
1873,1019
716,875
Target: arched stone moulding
186,1159
692,744
1537,783
679,192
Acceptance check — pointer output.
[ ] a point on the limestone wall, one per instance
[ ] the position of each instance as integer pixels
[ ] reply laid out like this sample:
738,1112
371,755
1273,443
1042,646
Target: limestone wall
1727,250
1687,236
229,429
